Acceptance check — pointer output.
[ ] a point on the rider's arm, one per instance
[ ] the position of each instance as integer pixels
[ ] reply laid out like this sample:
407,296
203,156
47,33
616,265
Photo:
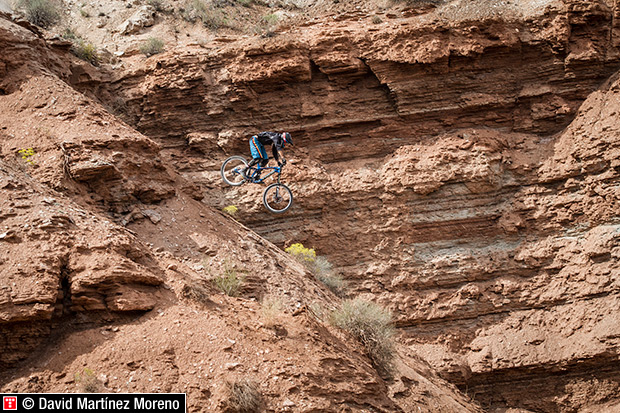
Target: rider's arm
280,158
277,153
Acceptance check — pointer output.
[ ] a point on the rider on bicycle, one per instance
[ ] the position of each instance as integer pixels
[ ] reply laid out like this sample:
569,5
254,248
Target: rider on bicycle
277,140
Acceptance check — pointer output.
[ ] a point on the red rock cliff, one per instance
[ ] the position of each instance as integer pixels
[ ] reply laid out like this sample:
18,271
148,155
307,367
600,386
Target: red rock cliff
460,167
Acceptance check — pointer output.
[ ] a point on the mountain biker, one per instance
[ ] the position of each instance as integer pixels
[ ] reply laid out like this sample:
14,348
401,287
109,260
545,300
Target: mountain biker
277,140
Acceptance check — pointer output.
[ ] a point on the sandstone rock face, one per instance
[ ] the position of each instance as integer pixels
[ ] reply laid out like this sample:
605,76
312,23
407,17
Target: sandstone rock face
107,265
462,172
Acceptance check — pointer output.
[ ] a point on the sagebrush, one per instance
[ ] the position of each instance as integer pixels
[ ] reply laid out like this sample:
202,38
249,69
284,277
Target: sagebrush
43,13
371,324
152,46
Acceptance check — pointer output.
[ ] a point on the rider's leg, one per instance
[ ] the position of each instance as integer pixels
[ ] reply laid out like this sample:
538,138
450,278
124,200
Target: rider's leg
258,155
250,165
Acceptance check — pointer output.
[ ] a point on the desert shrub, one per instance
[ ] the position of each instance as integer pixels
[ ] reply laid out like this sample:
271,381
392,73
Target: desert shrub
245,3
208,14
324,272
43,13
83,12
152,46
243,396
372,326
27,154
376,19
158,5
230,210
301,253
320,267
88,382
230,280
267,25
69,34
85,51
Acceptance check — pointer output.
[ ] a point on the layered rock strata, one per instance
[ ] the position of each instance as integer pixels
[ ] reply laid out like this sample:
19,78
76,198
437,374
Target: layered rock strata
107,268
445,166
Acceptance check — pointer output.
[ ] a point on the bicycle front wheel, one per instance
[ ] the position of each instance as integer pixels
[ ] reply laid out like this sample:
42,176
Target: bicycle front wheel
232,170
277,198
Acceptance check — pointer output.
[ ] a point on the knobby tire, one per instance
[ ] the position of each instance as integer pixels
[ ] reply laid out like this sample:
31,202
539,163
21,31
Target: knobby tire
277,198
232,170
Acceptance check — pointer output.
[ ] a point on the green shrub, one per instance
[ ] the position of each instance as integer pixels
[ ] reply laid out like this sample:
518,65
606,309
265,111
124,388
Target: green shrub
243,396
43,13
158,5
230,281
85,51
70,34
152,46
372,326
324,272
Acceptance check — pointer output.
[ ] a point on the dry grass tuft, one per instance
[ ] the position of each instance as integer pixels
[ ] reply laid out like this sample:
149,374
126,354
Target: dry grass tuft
243,396
271,309
230,281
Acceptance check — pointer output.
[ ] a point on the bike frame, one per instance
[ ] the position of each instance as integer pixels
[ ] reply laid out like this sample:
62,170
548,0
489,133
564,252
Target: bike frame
275,170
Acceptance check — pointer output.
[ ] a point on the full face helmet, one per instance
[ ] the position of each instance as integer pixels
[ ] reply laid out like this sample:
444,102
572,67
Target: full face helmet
287,138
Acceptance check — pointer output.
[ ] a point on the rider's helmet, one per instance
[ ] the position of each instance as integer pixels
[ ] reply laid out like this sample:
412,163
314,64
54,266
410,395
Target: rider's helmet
287,138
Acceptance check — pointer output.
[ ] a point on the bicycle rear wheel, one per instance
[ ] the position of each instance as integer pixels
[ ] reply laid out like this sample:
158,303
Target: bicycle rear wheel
277,198
232,170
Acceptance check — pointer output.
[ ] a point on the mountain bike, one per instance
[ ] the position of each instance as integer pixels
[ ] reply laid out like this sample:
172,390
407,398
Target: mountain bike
277,197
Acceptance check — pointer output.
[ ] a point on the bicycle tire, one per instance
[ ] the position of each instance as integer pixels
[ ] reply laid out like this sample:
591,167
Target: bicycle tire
232,170
281,198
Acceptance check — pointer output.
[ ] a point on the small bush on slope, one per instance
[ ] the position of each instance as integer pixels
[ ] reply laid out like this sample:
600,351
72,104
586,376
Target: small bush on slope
243,396
372,326
230,281
43,13
319,266
152,46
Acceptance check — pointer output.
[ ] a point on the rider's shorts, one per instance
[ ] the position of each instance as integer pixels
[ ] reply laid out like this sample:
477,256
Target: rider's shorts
257,149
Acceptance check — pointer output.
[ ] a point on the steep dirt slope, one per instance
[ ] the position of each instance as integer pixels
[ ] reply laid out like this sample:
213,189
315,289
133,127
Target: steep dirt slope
443,162
106,268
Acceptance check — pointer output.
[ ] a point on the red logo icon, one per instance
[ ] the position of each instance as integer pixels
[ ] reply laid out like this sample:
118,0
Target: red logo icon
9,403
